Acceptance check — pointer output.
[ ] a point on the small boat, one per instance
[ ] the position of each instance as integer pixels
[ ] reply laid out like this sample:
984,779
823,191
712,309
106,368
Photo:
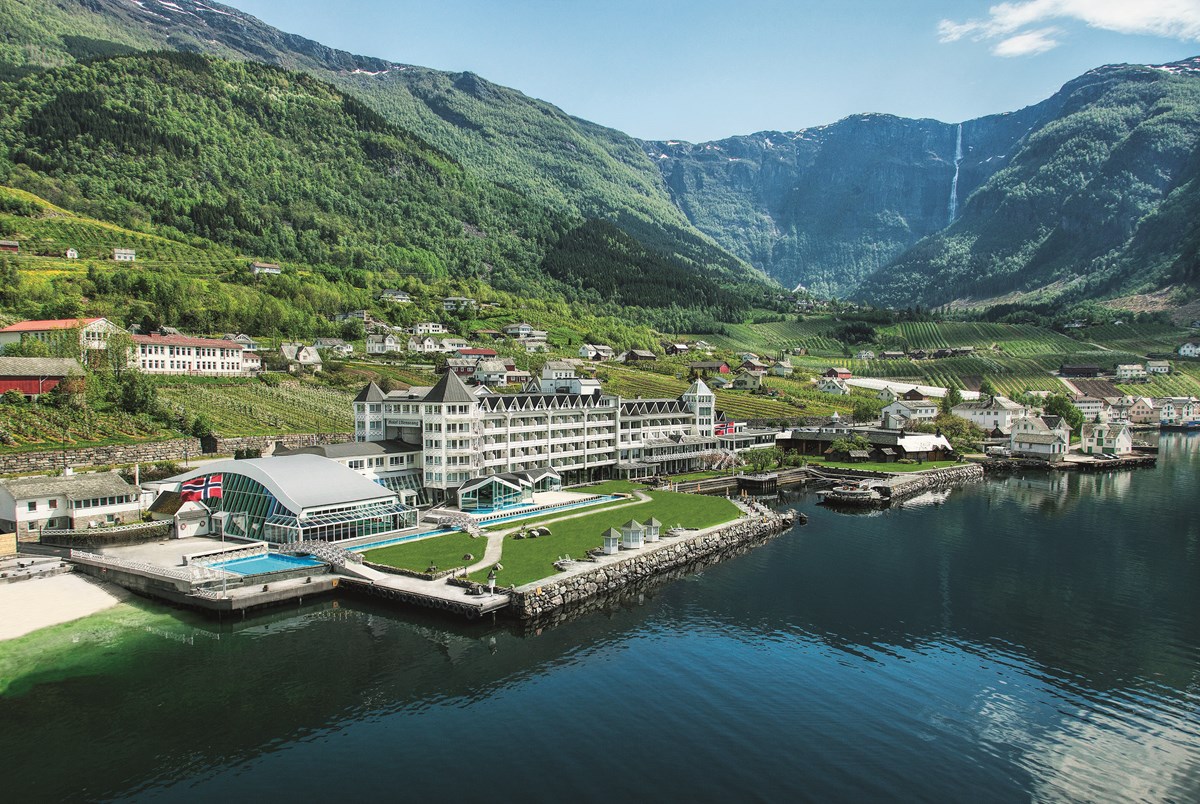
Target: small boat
857,494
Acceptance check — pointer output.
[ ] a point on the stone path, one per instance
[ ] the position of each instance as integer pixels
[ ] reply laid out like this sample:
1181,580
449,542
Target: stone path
495,546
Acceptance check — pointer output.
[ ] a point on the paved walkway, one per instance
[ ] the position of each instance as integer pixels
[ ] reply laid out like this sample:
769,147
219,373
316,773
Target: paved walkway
495,546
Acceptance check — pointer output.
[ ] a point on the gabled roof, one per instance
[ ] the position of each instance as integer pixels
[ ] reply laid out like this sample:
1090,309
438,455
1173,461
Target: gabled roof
73,487
450,388
39,367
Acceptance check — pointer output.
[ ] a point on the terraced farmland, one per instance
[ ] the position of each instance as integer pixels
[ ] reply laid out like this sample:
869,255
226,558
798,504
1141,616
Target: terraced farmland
39,427
1140,338
252,408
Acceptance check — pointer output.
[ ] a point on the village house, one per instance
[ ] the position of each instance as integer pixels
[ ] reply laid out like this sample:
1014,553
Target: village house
394,296
833,385
1158,367
1119,408
891,355
455,304
494,334
898,444
247,343
1176,411
783,368
335,346
265,269
70,502
10,247
251,362
1093,408
518,331
674,348
837,373
1190,349
1105,439
429,328
462,366
124,255
490,372
911,411
383,344
887,395
991,413
596,351
424,345
1143,410
638,356
918,354
93,333
1045,438
703,368
747,381
300,356
183,355
72,254
754,366
476,352
1131,372
33,376
865,354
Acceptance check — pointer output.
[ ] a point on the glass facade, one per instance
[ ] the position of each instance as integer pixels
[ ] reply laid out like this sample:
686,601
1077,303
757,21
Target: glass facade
257,514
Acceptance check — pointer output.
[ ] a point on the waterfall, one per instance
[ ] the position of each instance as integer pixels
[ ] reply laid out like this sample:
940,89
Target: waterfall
954,181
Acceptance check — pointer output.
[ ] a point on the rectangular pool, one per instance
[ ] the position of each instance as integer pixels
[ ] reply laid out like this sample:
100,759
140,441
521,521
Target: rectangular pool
257,565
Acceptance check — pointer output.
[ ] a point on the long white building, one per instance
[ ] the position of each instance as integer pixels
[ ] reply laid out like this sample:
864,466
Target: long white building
179,354
566,423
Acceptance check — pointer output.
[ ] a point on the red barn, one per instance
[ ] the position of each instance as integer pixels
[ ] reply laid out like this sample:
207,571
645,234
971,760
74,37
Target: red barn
10,247
34,376
838,373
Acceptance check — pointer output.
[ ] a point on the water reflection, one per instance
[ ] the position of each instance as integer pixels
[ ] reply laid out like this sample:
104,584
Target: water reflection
1032,637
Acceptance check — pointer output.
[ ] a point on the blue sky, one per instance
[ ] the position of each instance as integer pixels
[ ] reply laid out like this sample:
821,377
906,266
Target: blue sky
702,70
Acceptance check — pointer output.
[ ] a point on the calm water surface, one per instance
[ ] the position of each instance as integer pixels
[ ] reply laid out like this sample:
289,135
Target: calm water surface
1030,639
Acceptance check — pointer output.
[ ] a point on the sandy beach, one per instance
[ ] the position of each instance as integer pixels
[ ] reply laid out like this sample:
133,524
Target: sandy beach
29,605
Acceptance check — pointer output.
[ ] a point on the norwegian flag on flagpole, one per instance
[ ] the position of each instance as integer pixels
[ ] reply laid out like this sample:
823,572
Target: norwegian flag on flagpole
201,488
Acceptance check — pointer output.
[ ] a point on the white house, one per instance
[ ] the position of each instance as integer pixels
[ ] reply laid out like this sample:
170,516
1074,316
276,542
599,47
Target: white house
180,354
430,328
491,372
383,344
1106,439
833,385
297,354
393,296
1131,371
247,343
1158,367
1092,408
913,410
267,268
335,346
73,502
1046,438
425,345
124,254
1190,349
1178,410
452,304
93,332
596,351
519,331
991,413
72,254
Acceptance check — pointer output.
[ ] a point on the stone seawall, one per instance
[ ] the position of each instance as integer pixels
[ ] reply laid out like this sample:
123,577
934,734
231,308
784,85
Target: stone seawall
154,451
911,485
540,600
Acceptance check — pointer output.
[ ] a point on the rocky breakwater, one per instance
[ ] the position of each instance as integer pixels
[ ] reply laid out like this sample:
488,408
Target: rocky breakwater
904,486
605,574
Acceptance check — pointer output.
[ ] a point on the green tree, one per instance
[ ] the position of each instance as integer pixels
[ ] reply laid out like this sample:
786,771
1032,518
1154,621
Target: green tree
953,397
986,388
10,283
1060,405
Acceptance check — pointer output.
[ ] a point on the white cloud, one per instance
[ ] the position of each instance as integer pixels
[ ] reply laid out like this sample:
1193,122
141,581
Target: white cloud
1012,23
1029,43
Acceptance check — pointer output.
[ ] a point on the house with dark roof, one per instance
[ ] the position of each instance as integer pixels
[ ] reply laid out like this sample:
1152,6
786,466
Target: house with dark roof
69,502
33,376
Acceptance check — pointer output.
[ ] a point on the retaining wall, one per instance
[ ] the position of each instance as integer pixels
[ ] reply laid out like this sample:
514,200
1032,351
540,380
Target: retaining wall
538,600
155,451
918,483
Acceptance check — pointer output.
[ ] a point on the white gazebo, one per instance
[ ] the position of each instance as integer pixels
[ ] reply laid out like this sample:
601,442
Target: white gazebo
612,542
633,535
653,529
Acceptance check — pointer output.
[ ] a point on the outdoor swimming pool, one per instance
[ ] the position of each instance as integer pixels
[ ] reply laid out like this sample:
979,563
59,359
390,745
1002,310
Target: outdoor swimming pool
257,565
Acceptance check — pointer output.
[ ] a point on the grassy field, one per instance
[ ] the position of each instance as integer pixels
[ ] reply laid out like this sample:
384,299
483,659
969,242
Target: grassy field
527,560
444,552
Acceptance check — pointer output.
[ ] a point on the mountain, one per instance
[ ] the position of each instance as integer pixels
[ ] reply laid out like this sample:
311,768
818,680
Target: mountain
572,167
1100,200
1088,193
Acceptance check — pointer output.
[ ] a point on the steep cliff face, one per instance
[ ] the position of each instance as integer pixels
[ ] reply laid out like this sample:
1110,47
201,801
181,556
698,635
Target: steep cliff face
1095,201
826,207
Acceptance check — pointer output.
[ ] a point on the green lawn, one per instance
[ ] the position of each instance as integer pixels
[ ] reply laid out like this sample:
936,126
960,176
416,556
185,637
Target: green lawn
611,487
527,560
446,552
883,467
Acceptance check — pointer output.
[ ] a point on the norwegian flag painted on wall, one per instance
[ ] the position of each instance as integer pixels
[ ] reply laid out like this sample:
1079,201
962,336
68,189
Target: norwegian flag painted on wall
201,488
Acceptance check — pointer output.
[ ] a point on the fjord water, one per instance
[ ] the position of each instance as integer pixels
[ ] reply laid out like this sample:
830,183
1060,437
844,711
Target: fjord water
1030,638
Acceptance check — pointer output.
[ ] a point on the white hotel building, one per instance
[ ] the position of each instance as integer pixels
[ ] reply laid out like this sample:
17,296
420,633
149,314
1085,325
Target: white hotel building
179,354
565,423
